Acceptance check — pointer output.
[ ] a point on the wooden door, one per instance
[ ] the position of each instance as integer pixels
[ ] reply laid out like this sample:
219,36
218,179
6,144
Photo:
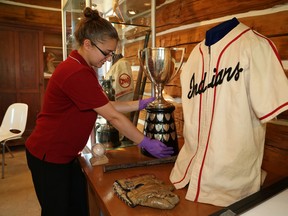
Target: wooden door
21,75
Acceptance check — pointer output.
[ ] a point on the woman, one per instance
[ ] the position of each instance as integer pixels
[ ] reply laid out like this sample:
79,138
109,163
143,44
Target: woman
72,101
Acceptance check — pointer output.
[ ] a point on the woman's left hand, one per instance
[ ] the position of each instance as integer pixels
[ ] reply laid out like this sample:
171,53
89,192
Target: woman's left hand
144,102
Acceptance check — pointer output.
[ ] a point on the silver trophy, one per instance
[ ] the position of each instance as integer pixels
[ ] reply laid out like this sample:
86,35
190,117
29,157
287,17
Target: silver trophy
161,67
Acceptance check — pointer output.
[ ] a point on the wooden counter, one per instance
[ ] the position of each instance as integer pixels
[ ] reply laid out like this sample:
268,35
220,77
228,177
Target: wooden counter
102,197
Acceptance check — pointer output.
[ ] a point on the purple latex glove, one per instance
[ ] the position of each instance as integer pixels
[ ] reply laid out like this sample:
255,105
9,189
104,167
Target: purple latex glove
156,148
144,102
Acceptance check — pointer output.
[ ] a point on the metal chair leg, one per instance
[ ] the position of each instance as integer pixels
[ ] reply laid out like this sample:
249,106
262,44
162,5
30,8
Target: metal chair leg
3,143
3,158
7,147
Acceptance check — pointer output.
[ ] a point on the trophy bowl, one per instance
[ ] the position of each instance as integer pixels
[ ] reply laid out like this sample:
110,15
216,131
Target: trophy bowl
161,67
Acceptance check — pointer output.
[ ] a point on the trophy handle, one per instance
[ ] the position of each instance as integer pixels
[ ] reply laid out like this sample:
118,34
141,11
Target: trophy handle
140,55
181,60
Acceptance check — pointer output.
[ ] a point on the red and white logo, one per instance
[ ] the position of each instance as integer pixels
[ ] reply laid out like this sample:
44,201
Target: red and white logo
124,80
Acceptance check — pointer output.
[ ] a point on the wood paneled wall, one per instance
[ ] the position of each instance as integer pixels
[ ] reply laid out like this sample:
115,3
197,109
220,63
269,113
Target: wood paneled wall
45,17
27,22
41,15
33,17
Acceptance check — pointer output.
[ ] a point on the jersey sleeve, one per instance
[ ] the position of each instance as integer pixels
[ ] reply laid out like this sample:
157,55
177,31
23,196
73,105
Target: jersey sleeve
268,84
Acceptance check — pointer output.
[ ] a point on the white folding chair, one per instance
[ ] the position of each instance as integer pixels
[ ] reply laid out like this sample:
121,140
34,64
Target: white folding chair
12,127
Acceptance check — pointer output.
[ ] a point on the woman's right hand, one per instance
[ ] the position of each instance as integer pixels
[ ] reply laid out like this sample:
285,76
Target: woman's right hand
156,148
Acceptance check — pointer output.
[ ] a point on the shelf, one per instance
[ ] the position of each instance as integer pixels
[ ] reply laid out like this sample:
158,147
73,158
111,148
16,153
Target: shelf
50,47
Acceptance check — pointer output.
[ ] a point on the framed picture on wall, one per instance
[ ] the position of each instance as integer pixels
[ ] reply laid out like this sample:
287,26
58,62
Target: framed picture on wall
52,56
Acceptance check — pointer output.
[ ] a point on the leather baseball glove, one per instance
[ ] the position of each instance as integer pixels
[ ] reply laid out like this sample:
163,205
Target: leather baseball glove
146,190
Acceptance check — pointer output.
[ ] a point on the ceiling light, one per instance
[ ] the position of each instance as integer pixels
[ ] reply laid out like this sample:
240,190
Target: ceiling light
132,12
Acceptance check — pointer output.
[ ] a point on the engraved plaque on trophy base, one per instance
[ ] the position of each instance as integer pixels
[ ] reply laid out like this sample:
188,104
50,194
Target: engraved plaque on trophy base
159,124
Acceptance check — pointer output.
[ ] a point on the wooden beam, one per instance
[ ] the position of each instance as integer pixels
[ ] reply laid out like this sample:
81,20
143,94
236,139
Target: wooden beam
25,16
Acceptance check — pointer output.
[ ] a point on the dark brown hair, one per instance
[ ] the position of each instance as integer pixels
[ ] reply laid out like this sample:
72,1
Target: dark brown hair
92,26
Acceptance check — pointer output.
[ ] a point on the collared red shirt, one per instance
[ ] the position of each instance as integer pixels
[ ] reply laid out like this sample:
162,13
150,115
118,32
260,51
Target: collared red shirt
67,117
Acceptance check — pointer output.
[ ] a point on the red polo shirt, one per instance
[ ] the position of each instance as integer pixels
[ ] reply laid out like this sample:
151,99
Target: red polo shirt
67,117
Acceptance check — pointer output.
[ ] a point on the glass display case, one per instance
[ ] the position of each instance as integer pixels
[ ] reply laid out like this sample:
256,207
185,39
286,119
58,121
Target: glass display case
71,13
132,18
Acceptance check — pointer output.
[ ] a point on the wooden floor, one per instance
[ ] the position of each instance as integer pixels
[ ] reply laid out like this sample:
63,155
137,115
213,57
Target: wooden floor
17,195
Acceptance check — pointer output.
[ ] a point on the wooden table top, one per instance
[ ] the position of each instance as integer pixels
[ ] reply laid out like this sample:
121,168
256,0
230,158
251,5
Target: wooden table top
101,183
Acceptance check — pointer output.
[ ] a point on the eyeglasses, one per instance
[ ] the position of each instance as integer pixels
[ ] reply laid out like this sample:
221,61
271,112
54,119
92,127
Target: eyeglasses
103,53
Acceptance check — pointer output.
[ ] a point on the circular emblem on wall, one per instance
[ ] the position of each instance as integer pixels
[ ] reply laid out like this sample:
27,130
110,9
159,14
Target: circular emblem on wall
124,80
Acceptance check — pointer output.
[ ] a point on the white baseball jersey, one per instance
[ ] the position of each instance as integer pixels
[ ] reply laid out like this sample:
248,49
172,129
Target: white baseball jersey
123,84
229,91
